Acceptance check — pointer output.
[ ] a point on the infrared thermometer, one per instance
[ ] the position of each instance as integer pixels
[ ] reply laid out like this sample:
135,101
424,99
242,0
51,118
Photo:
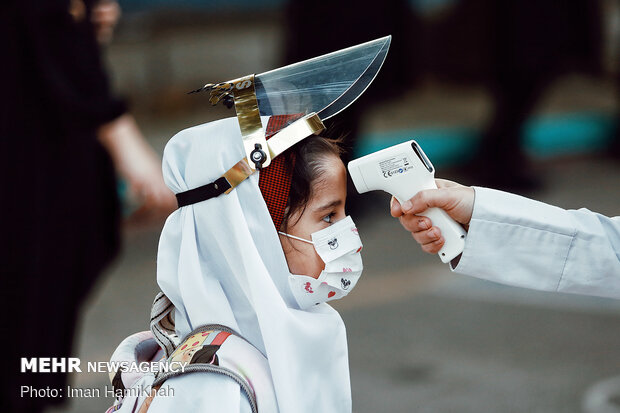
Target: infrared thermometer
403,170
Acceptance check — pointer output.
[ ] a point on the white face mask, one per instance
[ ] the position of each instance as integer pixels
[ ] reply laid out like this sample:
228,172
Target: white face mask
339,246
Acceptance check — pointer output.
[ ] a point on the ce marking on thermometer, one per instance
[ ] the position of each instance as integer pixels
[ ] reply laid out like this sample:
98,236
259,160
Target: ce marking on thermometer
395,166
403,170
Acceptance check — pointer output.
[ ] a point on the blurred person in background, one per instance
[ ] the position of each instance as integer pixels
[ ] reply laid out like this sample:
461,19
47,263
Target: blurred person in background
517,49
133,158
63,132
521,242
531,43
362,23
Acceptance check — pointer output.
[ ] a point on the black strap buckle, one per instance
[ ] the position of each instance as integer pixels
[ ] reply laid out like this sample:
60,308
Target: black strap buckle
203,193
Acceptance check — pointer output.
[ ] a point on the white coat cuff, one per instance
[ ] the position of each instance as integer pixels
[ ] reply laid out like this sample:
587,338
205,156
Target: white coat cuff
511,237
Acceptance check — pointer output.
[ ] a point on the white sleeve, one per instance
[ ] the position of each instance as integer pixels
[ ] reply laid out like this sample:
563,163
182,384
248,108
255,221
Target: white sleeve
518,241
200,392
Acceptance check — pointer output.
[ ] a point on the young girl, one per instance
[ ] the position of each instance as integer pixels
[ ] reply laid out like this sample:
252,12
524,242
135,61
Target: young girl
261,260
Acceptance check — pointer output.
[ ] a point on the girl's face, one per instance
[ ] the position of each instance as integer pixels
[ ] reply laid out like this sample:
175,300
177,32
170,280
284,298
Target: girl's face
325,207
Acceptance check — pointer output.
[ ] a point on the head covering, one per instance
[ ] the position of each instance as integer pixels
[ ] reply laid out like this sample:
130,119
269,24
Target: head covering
220,262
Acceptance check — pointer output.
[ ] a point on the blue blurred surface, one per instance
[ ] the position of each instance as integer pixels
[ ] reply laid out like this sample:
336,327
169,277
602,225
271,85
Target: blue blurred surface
202,5
553,135
422,6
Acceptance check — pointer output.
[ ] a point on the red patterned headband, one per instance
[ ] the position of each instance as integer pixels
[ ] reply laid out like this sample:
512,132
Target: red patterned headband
275,180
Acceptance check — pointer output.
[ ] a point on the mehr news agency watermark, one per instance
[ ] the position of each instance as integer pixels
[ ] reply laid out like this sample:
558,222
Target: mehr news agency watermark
74,365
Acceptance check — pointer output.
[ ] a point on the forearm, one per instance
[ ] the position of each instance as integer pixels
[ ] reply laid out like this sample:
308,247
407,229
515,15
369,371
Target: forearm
123,140
518,241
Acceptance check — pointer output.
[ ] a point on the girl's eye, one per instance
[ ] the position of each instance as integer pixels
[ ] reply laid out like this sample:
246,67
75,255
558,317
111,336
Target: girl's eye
328,218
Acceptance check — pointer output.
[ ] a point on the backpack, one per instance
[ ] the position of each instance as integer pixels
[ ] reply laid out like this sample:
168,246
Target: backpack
213,348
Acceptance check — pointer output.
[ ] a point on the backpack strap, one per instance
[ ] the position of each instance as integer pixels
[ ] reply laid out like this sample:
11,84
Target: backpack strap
198,353
162,323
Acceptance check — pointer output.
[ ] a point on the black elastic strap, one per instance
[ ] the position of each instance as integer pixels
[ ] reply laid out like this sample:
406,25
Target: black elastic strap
202,193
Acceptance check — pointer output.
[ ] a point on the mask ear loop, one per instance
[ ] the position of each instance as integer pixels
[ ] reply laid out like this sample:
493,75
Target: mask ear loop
294,237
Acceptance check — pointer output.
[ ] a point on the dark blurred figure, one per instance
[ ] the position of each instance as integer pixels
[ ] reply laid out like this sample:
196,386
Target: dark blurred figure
322,26
60,209
517,48
316,27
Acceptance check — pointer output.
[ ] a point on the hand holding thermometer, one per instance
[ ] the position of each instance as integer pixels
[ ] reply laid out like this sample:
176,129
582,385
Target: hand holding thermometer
403,170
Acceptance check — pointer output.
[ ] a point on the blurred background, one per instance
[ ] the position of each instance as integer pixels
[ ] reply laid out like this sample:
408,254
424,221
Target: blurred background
519,95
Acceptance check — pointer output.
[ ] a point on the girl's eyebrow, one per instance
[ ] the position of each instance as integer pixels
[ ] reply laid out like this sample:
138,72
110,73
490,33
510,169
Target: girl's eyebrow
330,205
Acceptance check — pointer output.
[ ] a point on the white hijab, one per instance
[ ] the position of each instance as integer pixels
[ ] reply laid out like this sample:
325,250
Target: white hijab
220,262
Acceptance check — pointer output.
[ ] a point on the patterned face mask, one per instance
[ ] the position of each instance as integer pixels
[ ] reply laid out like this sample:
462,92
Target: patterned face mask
339,246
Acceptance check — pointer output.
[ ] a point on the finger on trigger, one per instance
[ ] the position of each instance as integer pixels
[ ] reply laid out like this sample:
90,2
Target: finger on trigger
395,208
433,247
434,233
423,223
426,237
